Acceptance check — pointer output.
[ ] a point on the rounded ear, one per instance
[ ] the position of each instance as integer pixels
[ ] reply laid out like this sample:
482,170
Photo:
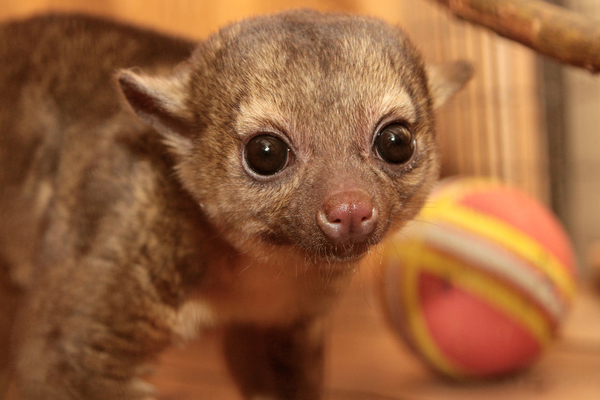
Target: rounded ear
161,101
447,79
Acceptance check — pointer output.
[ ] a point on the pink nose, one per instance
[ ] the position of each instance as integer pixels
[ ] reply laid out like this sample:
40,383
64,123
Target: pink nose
347,217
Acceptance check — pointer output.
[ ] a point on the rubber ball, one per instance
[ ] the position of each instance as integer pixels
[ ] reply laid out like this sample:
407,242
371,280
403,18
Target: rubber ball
479,284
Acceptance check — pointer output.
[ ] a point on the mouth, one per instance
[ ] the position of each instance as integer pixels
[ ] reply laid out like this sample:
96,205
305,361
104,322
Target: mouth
324,251
344,252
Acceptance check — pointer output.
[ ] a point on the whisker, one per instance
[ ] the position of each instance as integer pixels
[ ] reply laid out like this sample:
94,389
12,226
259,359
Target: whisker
280,271
245,268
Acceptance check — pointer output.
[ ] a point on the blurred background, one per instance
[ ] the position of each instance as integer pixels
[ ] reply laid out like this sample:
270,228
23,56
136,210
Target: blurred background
523,118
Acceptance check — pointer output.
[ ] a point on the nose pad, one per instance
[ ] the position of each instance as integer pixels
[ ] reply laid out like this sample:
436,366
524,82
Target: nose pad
347,217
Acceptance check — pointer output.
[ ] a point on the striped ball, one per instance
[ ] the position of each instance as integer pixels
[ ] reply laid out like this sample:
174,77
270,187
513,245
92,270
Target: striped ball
480,282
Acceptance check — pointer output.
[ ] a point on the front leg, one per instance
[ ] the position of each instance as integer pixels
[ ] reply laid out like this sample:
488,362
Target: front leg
282,363
89,337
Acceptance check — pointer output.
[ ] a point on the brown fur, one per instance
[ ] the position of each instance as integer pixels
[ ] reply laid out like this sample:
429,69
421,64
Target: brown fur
121,233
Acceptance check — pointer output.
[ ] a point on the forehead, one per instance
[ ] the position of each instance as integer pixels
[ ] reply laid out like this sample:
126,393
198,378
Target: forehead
309,46
322,69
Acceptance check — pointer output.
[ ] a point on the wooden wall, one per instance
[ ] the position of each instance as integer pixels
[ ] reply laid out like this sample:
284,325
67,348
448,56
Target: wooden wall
492,128
582,99
192,17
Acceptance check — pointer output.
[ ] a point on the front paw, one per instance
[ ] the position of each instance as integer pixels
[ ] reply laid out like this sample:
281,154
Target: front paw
143,389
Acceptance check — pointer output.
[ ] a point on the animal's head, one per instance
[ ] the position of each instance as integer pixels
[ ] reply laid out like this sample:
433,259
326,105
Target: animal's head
303,129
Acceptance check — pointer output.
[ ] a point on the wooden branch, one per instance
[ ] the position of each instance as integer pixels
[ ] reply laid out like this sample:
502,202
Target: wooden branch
564,35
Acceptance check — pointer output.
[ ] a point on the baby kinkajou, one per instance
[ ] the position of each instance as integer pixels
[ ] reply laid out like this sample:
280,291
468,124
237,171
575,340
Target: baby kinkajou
152,187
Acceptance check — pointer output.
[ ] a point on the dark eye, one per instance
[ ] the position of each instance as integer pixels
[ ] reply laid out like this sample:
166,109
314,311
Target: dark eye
266,154
395,144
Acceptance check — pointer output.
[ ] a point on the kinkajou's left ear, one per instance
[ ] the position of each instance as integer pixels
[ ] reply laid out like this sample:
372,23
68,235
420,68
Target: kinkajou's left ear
447,79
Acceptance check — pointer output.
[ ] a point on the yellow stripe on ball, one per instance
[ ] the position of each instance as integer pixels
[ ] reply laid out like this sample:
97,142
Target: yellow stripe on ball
508,237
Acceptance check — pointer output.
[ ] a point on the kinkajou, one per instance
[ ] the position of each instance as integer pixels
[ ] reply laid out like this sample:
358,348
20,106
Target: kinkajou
152,187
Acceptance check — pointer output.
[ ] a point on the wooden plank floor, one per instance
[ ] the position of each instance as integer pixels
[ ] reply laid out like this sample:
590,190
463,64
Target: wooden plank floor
366,361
